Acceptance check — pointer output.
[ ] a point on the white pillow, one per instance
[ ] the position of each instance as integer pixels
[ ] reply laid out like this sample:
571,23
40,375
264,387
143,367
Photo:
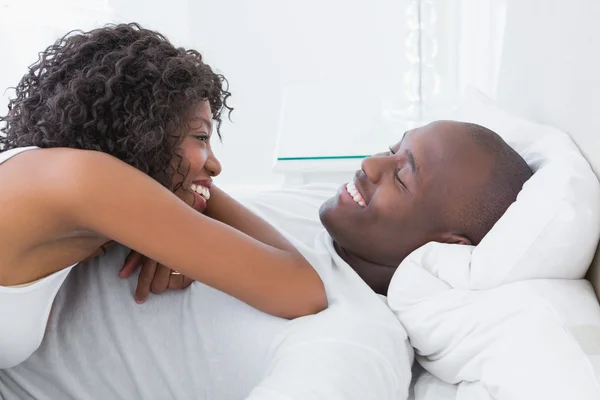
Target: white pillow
487,317
552,230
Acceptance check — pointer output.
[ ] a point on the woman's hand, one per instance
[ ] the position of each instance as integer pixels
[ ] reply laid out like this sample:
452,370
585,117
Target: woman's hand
153,277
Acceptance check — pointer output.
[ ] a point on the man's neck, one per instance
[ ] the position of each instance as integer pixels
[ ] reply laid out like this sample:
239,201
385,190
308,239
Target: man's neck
377,276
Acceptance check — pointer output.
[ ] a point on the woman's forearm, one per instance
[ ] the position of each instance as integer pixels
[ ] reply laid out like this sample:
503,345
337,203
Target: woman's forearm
265,272
224,208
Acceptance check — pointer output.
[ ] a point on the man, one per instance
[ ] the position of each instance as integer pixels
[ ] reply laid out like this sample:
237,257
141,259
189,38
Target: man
447,182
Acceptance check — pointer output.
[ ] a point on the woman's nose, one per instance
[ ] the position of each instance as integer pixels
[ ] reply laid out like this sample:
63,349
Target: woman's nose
213,166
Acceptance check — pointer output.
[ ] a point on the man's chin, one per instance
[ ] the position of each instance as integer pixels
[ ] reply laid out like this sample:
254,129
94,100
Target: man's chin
331,215
335,223
349,235
325,209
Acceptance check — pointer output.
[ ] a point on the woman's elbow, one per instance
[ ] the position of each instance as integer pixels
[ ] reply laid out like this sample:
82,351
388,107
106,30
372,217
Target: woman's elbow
311,298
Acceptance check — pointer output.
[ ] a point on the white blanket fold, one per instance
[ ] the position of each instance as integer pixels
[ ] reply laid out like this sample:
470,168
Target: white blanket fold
501,343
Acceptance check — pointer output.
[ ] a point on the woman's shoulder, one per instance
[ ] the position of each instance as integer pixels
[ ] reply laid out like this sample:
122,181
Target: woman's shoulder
64,154
58,161
58,173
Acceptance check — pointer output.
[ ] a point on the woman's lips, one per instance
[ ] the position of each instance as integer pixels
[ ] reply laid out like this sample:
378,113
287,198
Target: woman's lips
200,203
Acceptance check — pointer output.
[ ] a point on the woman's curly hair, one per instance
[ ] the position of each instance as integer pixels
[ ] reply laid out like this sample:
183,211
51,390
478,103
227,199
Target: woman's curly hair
121,90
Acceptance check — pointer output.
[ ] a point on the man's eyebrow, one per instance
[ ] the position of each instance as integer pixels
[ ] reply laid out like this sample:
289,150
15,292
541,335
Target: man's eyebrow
411,160
411,157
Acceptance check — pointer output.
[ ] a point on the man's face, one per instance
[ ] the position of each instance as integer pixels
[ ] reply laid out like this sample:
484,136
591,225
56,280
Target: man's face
401,196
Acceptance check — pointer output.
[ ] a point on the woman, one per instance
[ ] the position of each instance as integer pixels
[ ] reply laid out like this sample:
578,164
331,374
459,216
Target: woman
108,139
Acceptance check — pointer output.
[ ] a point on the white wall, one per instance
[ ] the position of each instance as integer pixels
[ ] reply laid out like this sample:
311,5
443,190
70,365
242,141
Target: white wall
28,27
262,47
482,35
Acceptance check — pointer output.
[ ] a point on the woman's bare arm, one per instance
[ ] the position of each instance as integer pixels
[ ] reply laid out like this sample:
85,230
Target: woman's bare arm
224,208
106,196
221,207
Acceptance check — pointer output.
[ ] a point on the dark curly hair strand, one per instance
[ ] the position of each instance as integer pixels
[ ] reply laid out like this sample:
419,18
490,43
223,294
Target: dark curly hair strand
121,90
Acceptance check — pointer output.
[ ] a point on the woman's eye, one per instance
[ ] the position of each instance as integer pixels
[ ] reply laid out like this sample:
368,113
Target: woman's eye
203,138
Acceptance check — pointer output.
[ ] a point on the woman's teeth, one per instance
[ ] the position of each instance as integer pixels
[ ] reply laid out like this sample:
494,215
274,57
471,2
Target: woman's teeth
351,188
201,190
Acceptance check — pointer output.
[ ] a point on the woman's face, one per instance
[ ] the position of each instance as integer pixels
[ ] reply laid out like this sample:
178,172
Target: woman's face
199,164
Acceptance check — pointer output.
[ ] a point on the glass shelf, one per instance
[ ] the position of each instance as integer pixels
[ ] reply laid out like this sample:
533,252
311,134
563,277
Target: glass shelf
322,158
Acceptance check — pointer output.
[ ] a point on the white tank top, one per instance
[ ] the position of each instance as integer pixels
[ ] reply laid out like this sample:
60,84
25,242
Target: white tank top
24,309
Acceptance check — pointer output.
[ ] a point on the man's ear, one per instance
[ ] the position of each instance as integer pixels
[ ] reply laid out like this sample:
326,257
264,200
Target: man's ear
454,238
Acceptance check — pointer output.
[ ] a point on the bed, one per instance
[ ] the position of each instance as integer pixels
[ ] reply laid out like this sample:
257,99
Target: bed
550,74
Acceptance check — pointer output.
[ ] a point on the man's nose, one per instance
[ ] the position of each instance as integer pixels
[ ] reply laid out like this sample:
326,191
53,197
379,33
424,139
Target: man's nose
374,167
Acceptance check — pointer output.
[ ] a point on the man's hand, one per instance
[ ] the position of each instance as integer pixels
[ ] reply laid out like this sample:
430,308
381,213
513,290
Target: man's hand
154,277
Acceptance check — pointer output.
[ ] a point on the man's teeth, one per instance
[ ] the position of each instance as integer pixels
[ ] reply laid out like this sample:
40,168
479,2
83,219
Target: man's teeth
201,190
351,188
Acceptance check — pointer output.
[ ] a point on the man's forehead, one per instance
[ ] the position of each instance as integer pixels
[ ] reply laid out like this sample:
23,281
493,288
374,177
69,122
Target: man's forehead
404,135
449,134
418,137
438,146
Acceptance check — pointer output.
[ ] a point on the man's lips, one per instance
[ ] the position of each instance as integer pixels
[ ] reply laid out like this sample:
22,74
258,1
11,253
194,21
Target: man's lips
359,184
355,194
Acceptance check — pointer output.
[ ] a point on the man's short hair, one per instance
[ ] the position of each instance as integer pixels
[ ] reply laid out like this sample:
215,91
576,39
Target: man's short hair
491,200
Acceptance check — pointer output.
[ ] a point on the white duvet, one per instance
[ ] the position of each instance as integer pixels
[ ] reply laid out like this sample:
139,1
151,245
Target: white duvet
510,342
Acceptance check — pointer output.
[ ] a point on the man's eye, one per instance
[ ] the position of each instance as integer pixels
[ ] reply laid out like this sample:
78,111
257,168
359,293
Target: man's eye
397,177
